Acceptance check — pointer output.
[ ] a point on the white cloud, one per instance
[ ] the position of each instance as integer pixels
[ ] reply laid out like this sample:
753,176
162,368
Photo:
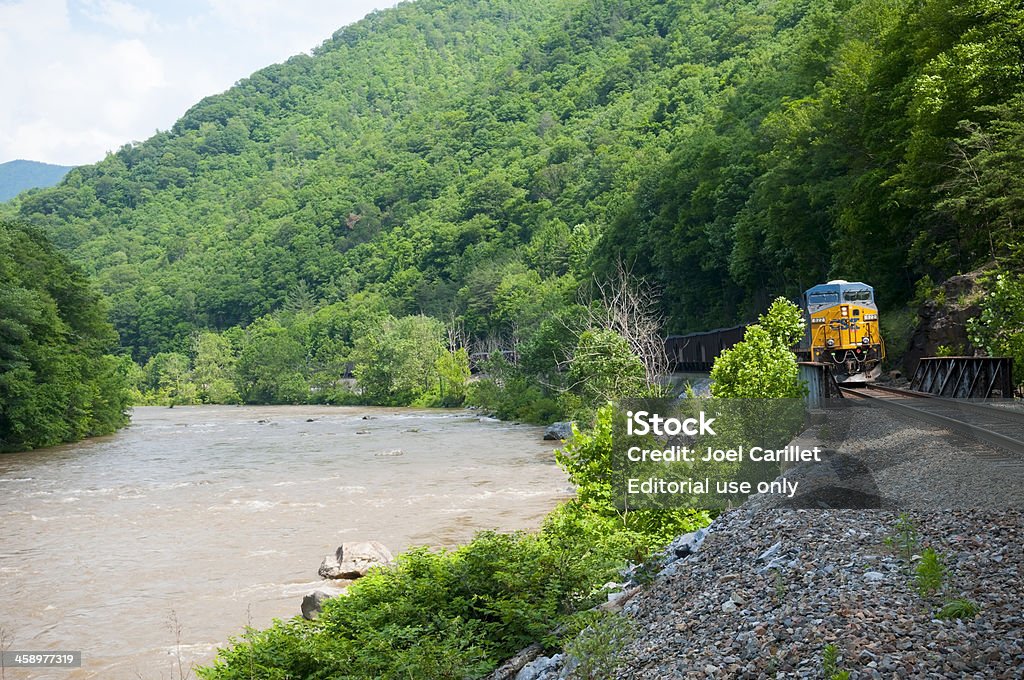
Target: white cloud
121,16
83,77
291,26
76,94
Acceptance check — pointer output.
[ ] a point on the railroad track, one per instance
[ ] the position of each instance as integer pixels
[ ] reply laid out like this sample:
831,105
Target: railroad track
1002,428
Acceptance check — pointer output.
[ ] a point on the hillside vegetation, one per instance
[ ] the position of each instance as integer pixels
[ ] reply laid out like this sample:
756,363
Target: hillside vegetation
476,163
58,382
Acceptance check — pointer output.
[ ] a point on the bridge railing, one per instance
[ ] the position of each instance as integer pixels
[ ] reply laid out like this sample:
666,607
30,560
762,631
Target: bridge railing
965,377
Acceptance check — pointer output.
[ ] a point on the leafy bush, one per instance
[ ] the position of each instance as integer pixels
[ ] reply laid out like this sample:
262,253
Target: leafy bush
930,574
999,329
511,395
603,367
587,458
595,649
960,608
761,366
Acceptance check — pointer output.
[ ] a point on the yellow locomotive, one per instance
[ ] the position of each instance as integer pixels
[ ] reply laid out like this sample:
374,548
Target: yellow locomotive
842,330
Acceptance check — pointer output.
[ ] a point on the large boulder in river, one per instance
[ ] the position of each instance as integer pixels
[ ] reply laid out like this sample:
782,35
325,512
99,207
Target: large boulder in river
558,431
312,603
353,559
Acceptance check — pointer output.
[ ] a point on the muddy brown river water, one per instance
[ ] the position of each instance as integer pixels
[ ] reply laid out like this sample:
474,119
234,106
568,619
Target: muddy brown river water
165,539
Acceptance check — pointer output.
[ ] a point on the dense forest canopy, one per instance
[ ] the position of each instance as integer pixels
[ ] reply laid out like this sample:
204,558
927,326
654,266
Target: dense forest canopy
479,162
58,381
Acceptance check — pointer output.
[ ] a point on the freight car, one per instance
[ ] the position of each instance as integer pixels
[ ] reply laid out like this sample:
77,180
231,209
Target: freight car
697,351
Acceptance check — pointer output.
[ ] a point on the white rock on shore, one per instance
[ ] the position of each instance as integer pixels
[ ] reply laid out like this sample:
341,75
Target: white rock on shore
353,559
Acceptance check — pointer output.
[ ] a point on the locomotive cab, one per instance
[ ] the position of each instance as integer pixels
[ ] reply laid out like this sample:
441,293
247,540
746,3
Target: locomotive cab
842,330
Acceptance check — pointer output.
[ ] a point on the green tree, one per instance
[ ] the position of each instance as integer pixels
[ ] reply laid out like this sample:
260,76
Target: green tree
168,380
999,329
604,368
453,375
396,360
272,365
213,369
762,365
57,381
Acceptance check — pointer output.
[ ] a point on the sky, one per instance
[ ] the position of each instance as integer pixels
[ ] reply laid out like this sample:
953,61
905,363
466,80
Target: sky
83,77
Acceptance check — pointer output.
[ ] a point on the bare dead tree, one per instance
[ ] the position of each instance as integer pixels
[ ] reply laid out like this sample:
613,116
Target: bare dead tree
628,305
496,343
175,627
456,332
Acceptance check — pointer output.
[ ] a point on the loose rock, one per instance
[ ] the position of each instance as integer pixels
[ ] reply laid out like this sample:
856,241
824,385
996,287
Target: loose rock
559,431
353,559
311,604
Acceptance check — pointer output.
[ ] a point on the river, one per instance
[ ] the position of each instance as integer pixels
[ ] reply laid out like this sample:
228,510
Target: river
161,541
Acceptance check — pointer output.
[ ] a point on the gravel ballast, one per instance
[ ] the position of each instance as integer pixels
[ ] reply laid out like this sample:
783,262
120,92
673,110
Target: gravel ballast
764,590
726,611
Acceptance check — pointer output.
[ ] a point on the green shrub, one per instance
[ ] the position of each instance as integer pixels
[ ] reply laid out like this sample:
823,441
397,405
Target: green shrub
511,395
603,368
960,608
830,664
587,458
596,647
761,365
930,574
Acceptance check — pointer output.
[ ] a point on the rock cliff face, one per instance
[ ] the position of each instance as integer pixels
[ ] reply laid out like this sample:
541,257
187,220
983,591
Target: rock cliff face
942,321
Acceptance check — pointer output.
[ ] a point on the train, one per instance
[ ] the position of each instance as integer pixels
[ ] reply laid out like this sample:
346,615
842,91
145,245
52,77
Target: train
696,352
842,331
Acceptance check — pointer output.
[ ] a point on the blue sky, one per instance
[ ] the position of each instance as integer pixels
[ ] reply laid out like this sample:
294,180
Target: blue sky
82,77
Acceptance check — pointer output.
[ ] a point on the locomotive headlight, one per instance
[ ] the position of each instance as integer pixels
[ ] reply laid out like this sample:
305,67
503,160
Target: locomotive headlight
866,340
830,342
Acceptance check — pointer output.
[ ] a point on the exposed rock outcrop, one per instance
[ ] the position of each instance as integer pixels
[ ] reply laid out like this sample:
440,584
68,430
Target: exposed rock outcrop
943,322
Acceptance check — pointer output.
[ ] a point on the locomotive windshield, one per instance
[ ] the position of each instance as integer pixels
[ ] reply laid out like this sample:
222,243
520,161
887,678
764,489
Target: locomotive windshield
823,298
857,295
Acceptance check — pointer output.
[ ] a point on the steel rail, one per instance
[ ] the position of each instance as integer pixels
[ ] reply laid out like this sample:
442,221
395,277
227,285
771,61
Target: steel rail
960,404
980,433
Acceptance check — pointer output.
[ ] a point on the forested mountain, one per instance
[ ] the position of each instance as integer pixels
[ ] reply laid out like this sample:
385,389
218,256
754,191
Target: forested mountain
58,381
475,161
17,176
